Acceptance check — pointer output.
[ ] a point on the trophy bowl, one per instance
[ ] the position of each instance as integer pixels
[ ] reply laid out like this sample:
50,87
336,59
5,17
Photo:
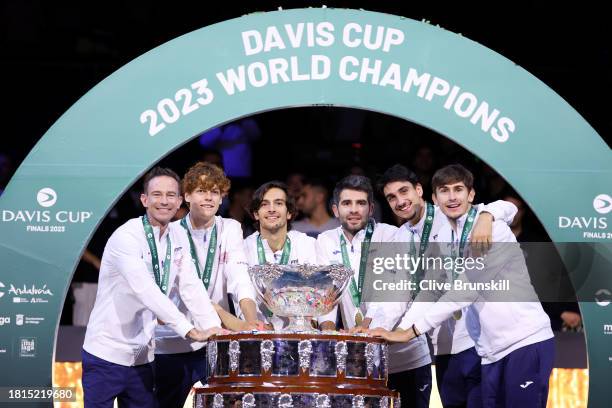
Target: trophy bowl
300,292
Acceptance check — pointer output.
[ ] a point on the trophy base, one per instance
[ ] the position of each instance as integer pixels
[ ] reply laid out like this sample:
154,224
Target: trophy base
299,324
294,397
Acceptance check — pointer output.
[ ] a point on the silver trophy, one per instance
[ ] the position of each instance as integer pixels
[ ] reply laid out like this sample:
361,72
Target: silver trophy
300,292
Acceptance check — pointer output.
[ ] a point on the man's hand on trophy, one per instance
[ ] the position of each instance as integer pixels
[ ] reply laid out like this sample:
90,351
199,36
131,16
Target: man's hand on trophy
327,326
256,325
395,336
358,329
203,335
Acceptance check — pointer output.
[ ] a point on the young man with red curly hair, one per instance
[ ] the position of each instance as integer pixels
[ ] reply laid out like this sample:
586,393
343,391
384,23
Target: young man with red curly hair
216,249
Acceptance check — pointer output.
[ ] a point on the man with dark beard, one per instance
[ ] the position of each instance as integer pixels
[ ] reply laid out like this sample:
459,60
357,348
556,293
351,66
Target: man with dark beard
352,205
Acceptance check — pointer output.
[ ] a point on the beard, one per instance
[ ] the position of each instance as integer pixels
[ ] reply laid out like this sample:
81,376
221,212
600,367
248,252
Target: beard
353,230
274,228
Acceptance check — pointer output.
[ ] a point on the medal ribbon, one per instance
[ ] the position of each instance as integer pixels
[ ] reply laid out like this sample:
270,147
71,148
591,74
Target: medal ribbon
467,228
160,279
210,257
261,257
429,218
365,247
261,253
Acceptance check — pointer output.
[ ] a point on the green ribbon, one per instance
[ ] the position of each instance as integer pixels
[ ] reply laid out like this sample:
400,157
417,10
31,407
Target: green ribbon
261,257
429,218
210,257
467,228
261,253
160,279
365,247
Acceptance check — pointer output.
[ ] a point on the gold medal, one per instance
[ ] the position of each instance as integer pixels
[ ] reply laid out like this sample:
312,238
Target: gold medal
457,315
358,318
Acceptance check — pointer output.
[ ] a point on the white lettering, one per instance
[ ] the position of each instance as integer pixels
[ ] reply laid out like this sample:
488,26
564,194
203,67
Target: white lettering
462,111
251,48
393,37
438,87
235,80
482,114
413,78
346,35
273,39
343,68
320,67
505,126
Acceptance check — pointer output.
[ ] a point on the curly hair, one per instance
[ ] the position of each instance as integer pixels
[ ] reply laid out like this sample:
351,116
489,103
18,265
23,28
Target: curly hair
205,176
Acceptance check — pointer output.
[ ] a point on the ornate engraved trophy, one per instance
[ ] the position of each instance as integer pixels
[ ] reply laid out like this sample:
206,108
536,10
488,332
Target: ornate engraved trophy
298,367
299,292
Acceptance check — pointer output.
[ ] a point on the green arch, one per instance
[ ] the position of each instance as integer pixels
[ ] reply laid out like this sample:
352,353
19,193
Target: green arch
99,147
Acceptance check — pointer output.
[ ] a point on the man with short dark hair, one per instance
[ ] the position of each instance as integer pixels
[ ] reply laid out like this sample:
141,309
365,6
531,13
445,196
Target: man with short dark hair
274,242
457,363
348,245
216,250
141,262
513,338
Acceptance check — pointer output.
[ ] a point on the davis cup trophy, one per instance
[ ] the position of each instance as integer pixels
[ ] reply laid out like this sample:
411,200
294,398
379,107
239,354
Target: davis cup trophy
298,366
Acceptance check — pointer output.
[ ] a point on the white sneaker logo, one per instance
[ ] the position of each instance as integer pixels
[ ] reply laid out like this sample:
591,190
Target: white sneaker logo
424,387
527,384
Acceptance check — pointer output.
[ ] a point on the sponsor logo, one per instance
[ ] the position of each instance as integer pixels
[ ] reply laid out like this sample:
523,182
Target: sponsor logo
588,225
46,197
603,297
527,384
2,351
583,222
602,203
1,292
5,320
32,290
48,220
607,328
27,347
20,320
37,294
424,387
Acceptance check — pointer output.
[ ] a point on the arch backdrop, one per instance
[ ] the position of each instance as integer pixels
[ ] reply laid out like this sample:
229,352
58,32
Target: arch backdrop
302,57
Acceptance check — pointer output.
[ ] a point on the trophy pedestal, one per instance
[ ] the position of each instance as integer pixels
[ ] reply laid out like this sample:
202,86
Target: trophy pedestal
293,370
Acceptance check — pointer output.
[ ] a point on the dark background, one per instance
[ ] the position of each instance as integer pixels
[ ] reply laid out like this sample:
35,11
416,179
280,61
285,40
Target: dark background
52,53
